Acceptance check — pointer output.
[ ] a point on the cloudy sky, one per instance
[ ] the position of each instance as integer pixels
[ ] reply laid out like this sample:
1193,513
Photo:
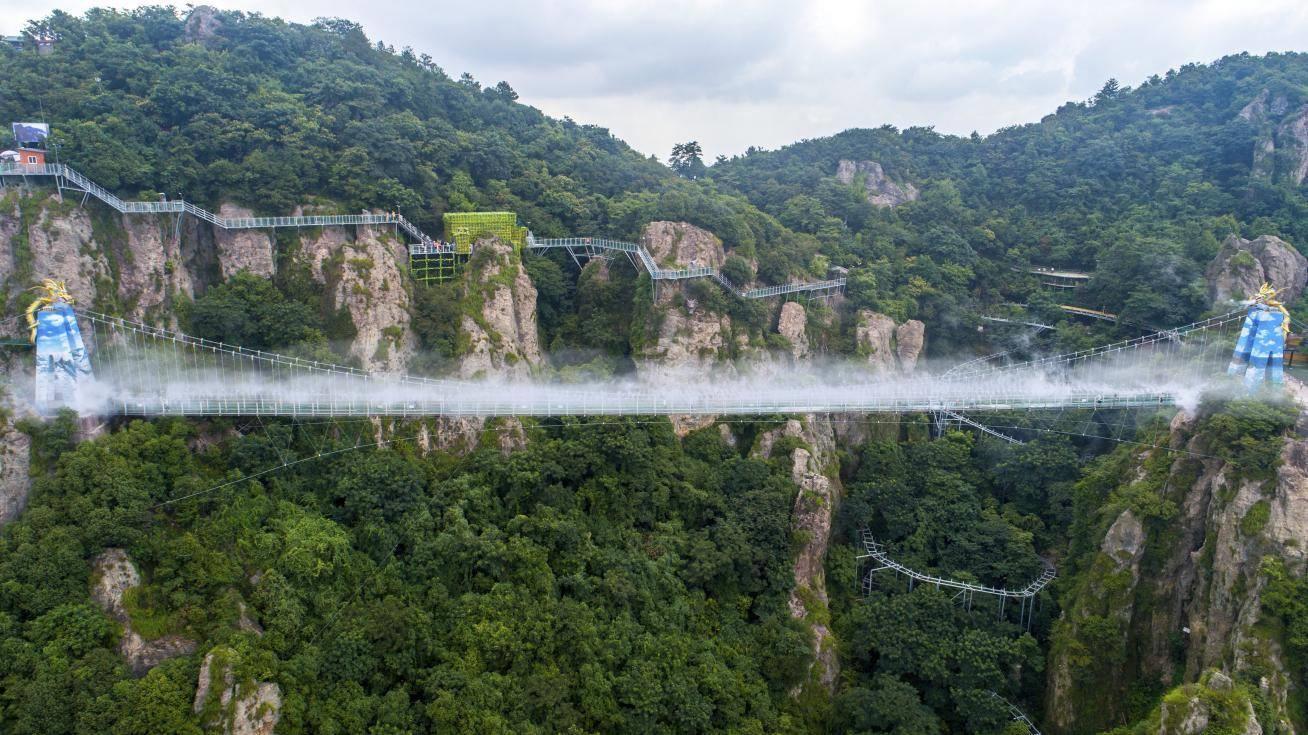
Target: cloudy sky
769,72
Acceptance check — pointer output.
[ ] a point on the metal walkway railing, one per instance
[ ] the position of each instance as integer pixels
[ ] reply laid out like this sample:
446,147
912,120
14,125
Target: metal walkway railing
72,180
68,178
590,244
966,590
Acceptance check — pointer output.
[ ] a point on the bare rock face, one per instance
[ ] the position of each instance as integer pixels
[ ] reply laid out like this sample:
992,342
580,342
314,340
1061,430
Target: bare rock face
1292,139
363,275
243,250
1124,542
1281,150
114,574
1205,586
1241,266
682,245
814,510
63,247
888,348
202,25
793,325
909,338
240,708
881,191
504,342
154,273
14,480
1287,522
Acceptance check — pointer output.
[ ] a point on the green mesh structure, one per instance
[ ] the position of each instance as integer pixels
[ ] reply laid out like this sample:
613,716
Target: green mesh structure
465,228
435,267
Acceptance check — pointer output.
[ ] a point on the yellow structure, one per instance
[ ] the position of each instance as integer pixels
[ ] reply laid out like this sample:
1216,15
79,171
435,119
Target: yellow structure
465,228
1267,295
53,291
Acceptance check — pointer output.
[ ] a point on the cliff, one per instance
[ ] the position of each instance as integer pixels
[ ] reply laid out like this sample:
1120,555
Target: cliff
1241,266
1174,584
143,266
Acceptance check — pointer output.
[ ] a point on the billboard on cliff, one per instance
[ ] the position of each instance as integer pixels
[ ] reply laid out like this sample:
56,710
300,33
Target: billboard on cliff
28,133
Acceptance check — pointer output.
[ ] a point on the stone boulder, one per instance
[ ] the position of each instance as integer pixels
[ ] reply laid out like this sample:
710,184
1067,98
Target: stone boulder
881,191
1241,266
888,348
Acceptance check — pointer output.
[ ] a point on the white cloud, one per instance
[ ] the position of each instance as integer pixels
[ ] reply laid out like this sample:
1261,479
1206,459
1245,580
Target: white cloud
769,72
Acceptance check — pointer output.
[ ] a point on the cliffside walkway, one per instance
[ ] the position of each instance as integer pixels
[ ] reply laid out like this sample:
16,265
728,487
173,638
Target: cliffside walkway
1017,715
67,179
596,247
966,591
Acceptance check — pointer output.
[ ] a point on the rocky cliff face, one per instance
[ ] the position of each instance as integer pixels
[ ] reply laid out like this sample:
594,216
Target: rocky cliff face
1165,600
363,275
686,333
500,323
231,707
887,347
139,265
682,245
793,325
1241,266
114,575
815,471
14,481
1281,150
881,191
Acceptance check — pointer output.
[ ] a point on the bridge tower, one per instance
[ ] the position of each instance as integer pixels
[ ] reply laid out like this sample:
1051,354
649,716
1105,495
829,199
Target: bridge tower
64,377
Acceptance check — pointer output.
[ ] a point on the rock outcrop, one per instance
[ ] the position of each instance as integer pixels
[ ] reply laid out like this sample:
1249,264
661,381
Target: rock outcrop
144,263
14,480
793,325
501,329
202,25
363,275
888,348
243,250
1281,150
682,245
812,469
1200,607
881,191
113,575
1215,705
1241,266
687,334
239,708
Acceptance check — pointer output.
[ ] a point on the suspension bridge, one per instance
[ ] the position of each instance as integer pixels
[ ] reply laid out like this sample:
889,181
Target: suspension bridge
67,179
113,366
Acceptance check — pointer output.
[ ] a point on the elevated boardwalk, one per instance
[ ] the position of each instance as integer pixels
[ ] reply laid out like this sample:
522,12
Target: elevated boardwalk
596,246
966,591
67,179
70,180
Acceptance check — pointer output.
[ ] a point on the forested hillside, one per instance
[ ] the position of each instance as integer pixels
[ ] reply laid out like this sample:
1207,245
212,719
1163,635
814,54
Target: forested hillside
640,575
1138,186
